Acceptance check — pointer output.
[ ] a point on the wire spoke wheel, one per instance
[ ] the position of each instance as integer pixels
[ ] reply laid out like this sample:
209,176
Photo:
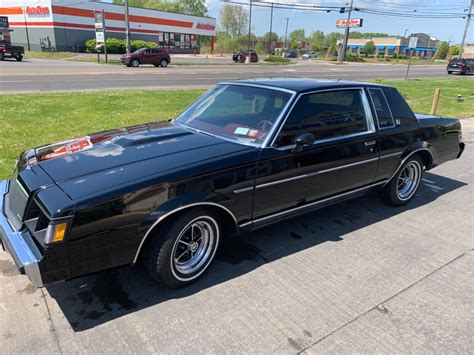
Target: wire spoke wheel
195,245
408,180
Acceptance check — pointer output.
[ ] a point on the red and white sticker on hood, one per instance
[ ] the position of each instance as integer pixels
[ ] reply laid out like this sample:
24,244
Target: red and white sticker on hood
64,148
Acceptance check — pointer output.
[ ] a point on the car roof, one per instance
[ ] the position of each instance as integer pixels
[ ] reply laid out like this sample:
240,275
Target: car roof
301,85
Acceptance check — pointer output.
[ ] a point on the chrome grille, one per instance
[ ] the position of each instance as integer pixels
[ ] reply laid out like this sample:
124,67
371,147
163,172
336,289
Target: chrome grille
15,201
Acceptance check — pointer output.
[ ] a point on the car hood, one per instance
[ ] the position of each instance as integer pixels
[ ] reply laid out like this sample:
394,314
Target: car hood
139,151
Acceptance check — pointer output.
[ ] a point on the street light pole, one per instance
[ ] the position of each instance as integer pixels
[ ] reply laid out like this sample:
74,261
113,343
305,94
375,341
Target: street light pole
127,27
270,39
466,28
405,34
342,52
286,32
250,25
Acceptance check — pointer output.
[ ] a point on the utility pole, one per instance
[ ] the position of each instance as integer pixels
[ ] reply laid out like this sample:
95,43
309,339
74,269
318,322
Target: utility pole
250,26
271,23
127,27
26,28
342,52
469,14
286,32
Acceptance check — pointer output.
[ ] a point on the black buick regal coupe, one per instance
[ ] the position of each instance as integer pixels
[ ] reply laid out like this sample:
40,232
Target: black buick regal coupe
244,155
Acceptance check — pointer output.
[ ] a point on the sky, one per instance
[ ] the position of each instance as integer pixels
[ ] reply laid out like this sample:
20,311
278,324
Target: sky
443,29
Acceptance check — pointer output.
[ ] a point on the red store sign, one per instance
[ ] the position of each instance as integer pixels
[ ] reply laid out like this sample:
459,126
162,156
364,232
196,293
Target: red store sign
37,10
207,27
355,22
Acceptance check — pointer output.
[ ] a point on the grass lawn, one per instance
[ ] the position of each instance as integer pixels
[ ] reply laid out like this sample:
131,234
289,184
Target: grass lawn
415,89
29,120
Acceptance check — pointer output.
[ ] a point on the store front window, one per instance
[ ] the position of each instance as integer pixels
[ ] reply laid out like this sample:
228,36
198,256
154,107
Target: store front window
177,40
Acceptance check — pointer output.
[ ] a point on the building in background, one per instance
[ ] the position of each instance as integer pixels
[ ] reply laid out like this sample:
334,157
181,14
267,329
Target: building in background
387,46
468,51
65,25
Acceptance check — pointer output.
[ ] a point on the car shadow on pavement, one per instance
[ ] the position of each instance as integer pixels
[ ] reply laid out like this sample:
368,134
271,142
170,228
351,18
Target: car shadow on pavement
93,300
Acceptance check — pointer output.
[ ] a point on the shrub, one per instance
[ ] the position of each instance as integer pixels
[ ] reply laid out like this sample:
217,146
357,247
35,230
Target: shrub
353,57
395,56
135,45
115,46
90,45
276,59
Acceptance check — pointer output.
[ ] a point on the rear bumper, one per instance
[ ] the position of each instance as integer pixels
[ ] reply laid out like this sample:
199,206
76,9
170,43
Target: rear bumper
19,245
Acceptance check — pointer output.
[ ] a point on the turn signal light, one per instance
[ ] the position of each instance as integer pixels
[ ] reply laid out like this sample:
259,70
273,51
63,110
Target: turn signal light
55,233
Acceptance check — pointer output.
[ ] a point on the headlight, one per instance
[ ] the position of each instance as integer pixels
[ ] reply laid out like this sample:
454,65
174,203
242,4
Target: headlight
55,233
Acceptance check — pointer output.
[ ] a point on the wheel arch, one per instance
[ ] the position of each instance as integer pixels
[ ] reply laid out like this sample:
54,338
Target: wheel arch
423,151
229,221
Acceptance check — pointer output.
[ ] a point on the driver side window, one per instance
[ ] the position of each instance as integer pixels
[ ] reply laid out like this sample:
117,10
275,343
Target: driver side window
329,114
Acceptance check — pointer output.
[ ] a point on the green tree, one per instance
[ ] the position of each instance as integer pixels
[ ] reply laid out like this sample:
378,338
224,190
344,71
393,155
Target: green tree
192,7
369,48
317,40
454,50
330,39
188,7
442,51
297,35
233,20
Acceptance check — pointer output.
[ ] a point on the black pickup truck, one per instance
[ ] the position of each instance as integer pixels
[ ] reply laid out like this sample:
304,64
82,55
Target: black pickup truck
246,154
9,51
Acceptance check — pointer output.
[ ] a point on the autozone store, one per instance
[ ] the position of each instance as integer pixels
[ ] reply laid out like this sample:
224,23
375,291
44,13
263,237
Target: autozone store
65,25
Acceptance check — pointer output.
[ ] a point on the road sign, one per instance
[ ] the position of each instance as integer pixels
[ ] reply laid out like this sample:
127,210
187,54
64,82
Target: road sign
354,22
99,37
4,22
99,20
413,42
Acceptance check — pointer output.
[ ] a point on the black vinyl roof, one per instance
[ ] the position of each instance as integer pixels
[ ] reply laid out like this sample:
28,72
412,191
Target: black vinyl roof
304,84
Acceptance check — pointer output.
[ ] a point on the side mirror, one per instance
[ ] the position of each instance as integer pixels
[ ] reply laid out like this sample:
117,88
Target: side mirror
301,141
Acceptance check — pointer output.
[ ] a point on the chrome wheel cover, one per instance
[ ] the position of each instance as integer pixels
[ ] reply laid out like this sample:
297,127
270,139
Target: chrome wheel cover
408,180
164,63
194,248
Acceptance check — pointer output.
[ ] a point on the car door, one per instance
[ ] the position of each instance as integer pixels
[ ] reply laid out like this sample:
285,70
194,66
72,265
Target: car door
147,57
157,55
342,159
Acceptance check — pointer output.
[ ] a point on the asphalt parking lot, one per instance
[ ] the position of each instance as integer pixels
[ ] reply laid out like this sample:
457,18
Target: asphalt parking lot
39,75
355,277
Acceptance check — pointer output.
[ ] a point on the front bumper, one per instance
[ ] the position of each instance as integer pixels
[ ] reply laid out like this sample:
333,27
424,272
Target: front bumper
19,245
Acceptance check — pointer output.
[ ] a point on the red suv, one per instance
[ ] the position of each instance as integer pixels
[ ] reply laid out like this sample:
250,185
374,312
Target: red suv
159,57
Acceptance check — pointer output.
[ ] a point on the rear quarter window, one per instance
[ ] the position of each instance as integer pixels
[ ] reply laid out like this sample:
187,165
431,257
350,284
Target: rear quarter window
401,111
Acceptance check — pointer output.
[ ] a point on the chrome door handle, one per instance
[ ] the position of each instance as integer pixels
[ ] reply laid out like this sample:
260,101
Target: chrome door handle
370,143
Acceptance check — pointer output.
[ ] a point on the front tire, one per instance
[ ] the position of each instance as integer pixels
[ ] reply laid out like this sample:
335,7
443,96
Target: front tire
183,249
135,63
403,186
19,58
449,72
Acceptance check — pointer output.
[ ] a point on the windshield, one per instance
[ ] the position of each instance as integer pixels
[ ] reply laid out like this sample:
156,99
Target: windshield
242,113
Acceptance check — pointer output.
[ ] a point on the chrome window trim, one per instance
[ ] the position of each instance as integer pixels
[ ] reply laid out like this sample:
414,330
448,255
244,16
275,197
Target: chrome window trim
375,110
315,203
368,117
270,133
299,177
172,212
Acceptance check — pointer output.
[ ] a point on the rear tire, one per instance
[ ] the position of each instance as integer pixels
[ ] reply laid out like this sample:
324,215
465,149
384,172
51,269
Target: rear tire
2,56
403,186
135,63
163,63
183,249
